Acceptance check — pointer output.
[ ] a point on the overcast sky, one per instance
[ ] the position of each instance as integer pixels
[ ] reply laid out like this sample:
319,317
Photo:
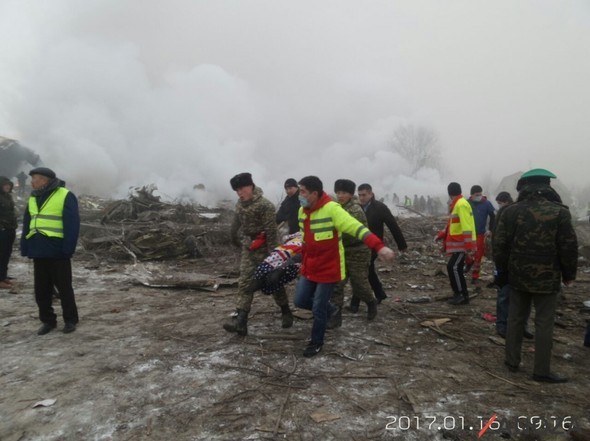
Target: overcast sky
115,93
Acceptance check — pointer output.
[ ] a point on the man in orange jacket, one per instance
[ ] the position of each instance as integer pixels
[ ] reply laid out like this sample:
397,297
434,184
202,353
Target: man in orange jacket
322,223
459,240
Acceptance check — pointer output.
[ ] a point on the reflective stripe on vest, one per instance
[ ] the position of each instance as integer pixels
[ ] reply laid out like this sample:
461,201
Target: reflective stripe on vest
322,228
49,219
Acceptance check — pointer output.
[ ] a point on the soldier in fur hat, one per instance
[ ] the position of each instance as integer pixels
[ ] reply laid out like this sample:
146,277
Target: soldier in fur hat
254,231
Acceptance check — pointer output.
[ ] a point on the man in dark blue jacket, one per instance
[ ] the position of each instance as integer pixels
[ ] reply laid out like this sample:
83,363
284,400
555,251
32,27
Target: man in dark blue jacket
51,226
482,211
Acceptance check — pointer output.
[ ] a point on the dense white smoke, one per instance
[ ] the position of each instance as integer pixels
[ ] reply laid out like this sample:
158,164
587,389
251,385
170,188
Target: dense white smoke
114,94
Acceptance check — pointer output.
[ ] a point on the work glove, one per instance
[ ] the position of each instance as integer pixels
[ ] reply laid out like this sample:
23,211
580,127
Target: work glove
258,242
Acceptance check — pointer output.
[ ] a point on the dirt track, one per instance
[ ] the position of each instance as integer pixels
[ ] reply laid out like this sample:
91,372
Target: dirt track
155,364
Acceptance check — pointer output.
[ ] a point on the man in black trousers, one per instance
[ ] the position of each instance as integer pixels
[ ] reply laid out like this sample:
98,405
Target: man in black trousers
51,227
378,215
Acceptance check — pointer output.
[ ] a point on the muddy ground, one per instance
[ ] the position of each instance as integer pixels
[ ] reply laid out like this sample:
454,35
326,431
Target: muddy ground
156,364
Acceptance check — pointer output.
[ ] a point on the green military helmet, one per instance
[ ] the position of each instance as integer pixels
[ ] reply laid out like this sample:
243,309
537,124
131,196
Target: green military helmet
540,172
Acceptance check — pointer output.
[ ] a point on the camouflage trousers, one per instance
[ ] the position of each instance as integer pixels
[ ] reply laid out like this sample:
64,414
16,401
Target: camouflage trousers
357,260
246,283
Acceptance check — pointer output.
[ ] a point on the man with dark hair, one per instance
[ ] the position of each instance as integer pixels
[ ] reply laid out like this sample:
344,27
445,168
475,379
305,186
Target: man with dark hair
482,210
535,250
378,215
458,241
254,230
356,257
322,223
51,227
289,209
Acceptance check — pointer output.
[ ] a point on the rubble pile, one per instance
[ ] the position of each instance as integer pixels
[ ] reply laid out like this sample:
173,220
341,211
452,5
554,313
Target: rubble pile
142,227
418,229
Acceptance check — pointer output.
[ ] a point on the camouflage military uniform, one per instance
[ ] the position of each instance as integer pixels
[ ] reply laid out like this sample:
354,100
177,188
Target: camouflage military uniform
357,259
536,246
252,218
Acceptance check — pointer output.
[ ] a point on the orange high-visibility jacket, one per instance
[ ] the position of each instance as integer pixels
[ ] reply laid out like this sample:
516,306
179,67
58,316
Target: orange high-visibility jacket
459,236
322,228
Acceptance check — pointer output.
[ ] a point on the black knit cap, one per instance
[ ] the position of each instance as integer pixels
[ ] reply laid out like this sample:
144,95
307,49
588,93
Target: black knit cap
290,183
344,185
241,180
454,189
43,171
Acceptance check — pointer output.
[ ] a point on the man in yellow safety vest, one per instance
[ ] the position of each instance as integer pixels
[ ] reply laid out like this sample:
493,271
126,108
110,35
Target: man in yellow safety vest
51,226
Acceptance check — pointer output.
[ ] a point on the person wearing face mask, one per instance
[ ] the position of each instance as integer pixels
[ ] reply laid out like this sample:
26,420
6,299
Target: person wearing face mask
322,223
482,211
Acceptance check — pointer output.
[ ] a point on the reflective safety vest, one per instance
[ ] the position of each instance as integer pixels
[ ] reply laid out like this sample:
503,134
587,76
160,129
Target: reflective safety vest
49,219
459,236
322,229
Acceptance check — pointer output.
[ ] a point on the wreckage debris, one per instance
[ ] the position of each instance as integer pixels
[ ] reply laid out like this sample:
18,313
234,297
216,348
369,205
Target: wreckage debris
143,227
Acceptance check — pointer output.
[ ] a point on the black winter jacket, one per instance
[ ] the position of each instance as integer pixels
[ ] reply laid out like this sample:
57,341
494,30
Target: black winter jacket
7,209
289,212
378,215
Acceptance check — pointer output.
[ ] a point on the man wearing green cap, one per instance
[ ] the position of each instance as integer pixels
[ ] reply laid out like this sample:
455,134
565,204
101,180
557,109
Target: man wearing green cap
535,249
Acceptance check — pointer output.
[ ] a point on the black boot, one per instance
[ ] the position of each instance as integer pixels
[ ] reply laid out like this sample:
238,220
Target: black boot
335,320
242,326
354,304
231,325
371,310
286,316
237,323
459,299
465,298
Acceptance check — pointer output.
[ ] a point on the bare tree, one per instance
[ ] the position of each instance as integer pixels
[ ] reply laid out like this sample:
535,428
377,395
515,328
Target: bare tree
418,145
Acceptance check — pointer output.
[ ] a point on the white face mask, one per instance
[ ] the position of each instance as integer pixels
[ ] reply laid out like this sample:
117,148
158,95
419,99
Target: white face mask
304,202
477,198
